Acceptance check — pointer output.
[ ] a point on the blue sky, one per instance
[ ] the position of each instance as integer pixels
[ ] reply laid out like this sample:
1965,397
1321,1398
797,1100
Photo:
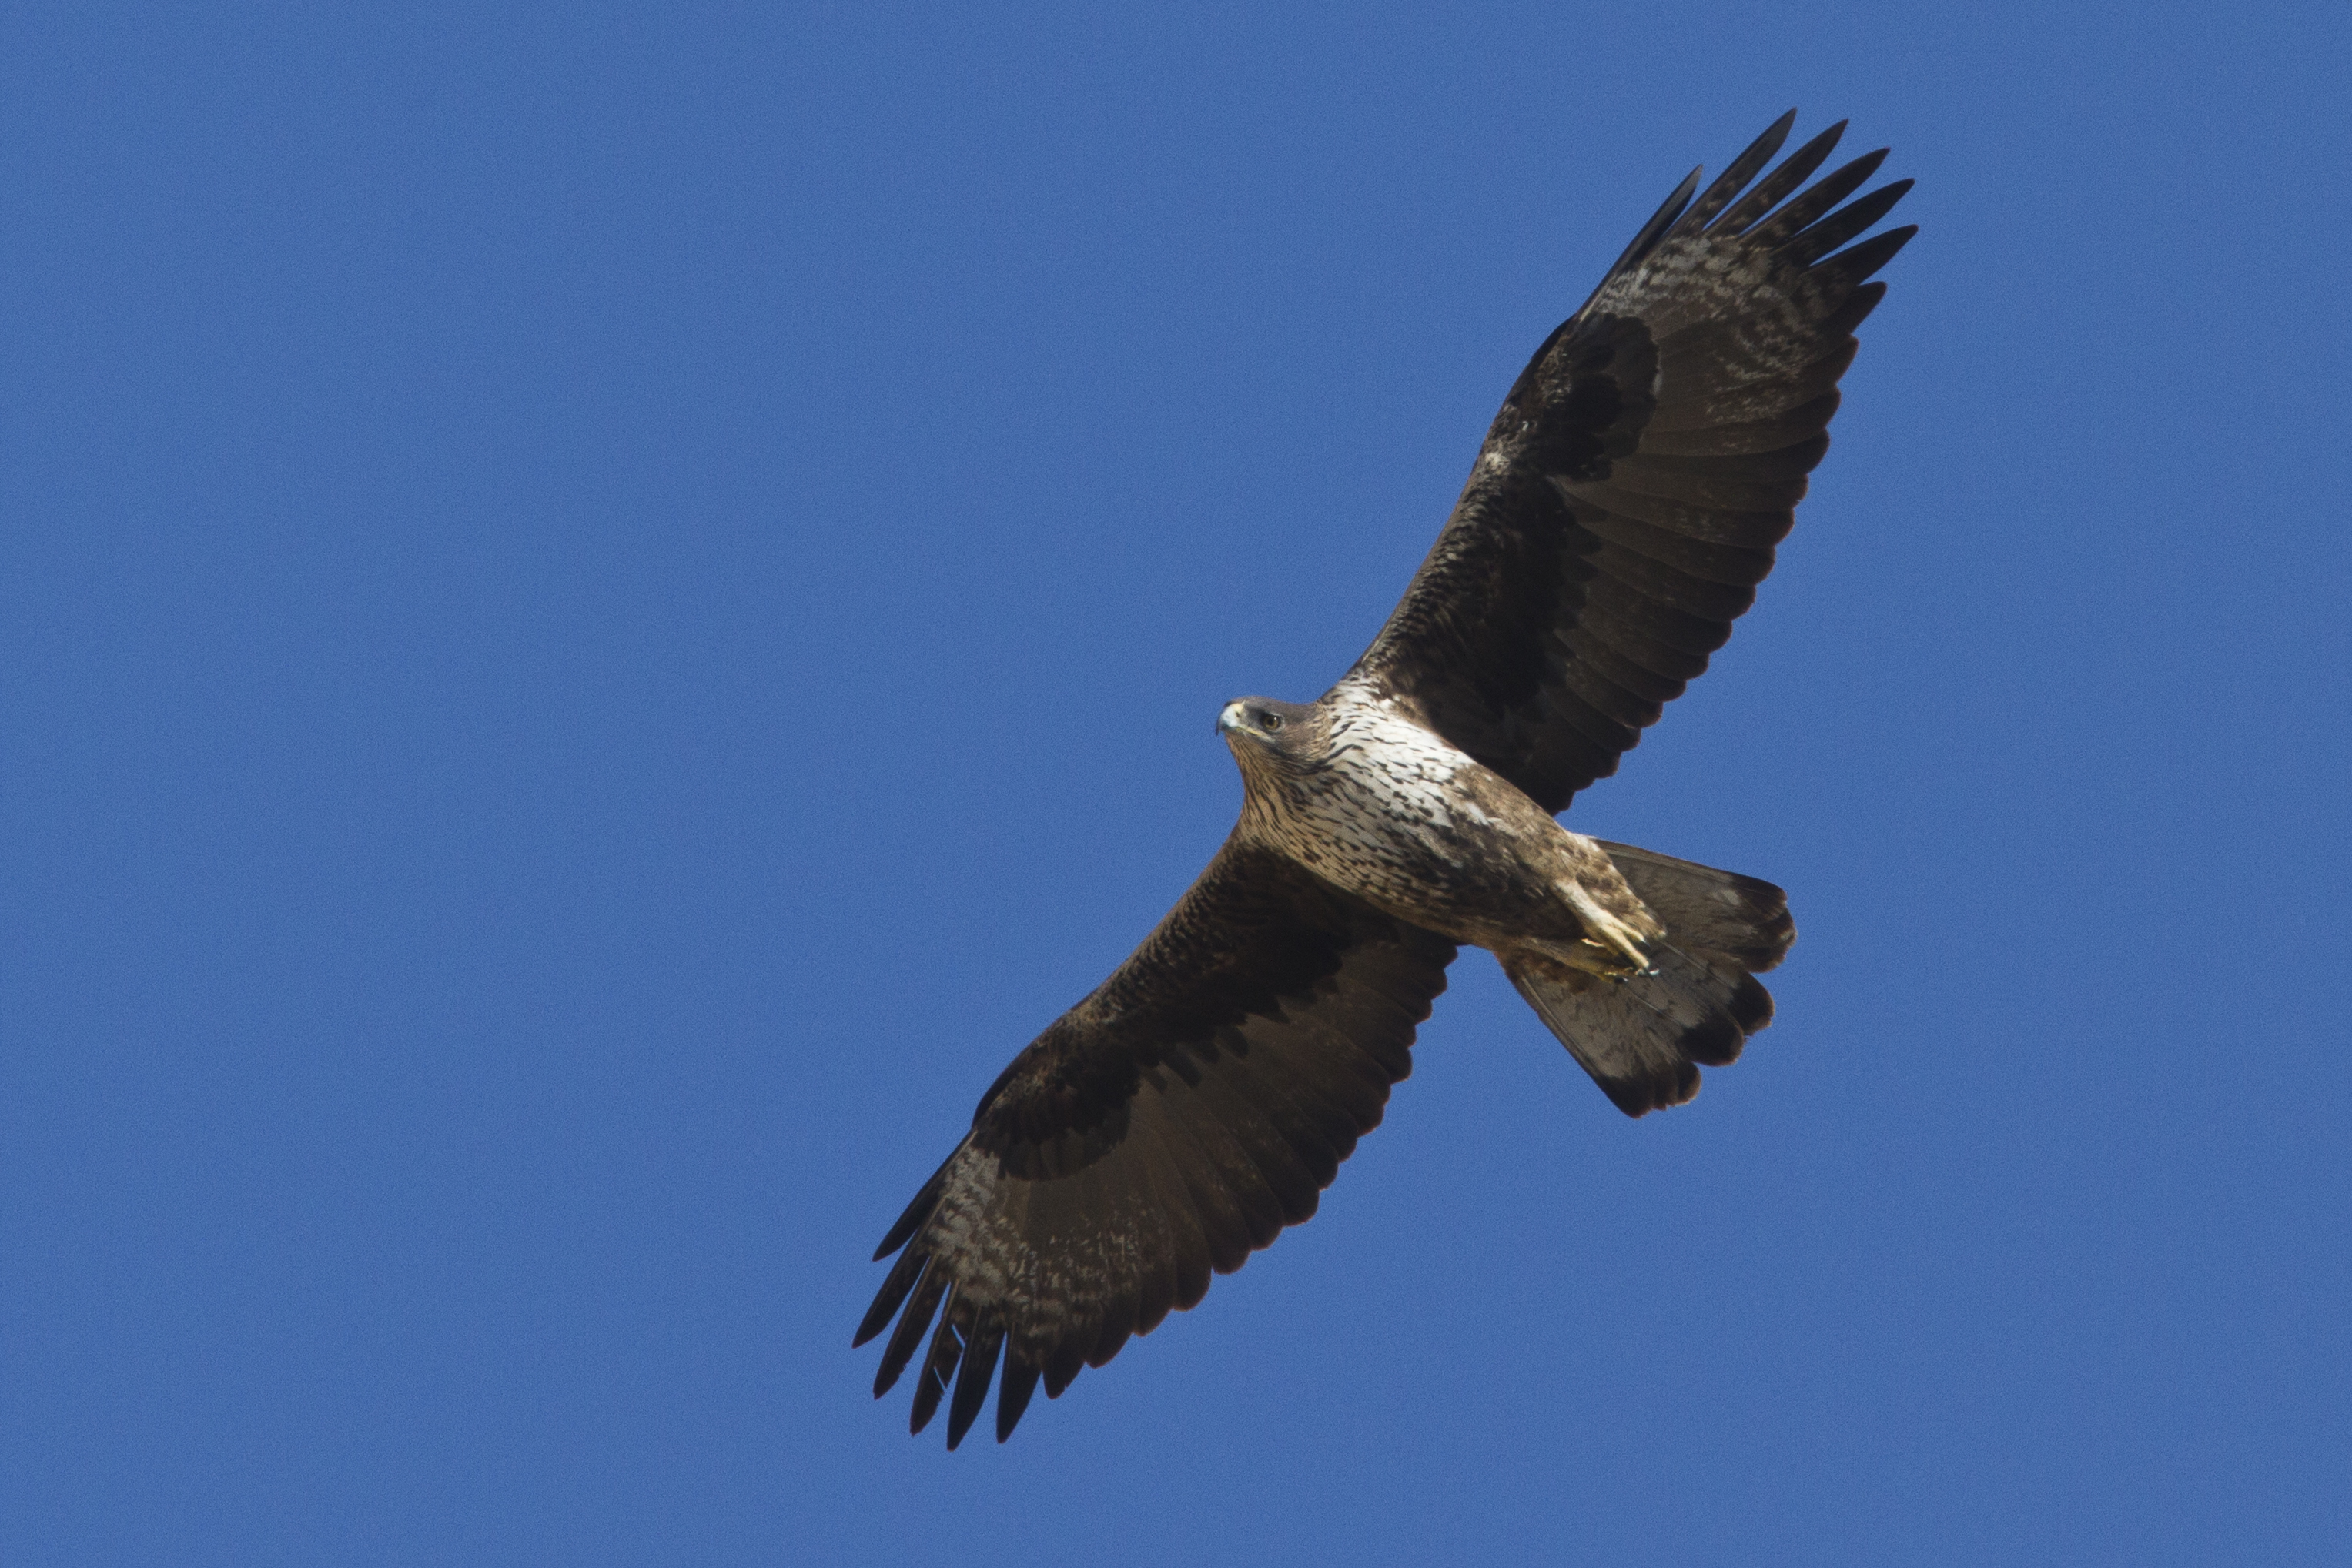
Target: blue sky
607,609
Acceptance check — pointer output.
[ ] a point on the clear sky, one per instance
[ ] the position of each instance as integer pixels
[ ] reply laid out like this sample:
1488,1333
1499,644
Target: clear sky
606,609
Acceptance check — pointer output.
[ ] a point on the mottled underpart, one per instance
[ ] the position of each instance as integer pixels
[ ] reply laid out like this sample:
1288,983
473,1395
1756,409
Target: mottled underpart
1370,801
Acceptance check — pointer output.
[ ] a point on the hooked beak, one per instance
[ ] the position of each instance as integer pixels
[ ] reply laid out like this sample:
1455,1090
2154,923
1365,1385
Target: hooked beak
1229,720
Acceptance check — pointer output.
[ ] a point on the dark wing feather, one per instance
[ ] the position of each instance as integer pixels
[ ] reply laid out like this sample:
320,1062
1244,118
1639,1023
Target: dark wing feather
1162,1129
1628,498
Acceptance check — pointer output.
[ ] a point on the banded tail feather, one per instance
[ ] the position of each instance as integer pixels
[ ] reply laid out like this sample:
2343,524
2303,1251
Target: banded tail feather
1645,1037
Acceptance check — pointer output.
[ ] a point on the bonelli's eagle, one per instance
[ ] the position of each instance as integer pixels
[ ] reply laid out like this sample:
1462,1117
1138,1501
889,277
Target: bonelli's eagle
1618,520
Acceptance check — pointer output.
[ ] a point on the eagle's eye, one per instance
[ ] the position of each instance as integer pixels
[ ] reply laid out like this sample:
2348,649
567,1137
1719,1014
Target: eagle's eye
1273,721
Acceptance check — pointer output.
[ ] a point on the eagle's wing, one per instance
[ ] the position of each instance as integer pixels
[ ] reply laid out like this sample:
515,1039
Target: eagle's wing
1169,1124
1628,497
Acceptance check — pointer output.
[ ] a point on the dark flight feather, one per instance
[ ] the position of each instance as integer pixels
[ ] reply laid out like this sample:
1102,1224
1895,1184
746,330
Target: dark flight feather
1833,188
912,1325
972,1383
1745,323
1014,1390
1793,172
1736,174
938,1365
1157,1133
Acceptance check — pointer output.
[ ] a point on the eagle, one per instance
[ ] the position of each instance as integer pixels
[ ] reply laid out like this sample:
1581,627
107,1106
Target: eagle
1623,509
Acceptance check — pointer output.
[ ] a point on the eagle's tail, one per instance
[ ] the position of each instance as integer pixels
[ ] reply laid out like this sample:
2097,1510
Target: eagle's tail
1645,1037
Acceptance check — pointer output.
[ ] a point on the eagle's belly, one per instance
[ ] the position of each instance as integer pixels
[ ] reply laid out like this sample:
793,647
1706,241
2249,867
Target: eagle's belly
1418,828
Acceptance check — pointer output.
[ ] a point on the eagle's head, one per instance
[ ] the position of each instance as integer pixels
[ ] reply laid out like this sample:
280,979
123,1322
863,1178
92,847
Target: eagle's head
1268,736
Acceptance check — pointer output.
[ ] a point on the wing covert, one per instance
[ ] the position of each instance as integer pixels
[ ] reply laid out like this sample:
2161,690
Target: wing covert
1158,1132
1629,495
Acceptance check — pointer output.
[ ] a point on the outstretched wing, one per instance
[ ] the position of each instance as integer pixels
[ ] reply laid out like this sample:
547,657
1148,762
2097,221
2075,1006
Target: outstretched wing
1167,1125
1628,497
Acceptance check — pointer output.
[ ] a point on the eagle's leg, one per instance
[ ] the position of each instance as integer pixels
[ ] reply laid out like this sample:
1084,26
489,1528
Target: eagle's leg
1610,948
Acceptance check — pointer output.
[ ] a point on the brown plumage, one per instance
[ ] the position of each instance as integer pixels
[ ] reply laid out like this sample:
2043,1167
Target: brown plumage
1621,511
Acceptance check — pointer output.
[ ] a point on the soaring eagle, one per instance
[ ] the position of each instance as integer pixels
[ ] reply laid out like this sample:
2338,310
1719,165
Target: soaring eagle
1622,510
